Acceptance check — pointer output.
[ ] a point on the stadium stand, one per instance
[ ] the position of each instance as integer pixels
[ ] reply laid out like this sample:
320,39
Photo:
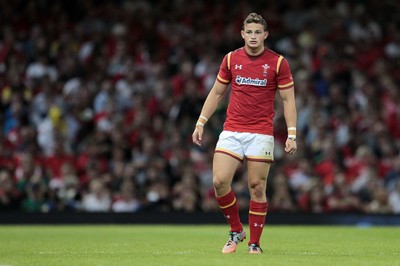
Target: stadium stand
99,98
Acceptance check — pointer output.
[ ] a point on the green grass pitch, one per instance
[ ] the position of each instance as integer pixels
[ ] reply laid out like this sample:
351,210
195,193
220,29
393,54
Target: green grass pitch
192,245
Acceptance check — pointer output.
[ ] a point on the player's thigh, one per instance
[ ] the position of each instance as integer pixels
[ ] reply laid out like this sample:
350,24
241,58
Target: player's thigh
224,167
257,172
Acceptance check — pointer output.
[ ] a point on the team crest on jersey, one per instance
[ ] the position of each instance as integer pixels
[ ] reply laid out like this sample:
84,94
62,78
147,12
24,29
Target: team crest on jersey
265,69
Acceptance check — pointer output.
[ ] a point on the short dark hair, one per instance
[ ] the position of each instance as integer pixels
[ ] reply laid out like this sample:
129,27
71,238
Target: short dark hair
255,18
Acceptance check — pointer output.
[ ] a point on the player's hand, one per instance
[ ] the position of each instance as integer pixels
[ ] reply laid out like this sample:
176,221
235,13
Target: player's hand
197,135
290,146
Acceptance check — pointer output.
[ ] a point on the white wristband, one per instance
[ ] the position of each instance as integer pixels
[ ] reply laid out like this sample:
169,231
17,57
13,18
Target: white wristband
291,128
205,118
199,124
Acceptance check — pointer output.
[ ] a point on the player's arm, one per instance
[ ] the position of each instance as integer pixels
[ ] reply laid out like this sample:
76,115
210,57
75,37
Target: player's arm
290,114
210,105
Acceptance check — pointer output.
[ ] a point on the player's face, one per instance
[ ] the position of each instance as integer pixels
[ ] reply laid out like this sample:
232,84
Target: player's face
254,35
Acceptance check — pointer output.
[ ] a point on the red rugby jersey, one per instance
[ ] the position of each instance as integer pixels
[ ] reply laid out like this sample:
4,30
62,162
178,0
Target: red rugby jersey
254,81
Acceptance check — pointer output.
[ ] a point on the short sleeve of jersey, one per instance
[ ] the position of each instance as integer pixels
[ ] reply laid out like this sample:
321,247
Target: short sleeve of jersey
284,76
224,74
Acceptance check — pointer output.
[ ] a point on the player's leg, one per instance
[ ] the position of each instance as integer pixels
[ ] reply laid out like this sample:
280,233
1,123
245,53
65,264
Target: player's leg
259,153
224,168
257,179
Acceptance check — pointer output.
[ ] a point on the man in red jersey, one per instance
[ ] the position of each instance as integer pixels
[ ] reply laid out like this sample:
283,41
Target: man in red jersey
255,74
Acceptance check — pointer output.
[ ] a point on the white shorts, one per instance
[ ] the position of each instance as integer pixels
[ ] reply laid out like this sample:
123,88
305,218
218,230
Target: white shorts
252,146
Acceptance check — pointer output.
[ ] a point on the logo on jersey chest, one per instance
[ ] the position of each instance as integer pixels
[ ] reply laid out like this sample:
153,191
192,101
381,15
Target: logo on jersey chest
252,81
265,69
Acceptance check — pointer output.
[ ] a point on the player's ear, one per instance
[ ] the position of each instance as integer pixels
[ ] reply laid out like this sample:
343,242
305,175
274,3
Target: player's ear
242,33
266,33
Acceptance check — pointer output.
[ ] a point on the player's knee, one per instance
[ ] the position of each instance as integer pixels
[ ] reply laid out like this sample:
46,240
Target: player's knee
219,183
257,189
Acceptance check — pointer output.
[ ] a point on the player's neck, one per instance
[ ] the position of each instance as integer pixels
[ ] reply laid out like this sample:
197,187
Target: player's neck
254,51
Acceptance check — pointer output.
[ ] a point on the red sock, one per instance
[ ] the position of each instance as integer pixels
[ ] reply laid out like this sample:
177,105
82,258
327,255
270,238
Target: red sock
257,214
230,209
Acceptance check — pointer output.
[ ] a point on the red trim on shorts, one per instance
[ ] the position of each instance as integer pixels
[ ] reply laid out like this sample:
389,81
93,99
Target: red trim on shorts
231,155
259,160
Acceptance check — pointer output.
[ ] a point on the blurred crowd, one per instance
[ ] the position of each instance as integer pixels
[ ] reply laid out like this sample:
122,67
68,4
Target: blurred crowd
99,100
